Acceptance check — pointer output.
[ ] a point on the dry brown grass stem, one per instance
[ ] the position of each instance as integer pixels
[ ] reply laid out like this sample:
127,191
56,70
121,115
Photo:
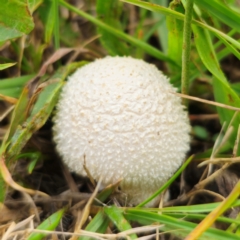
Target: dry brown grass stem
84,216
97,235
220,161
8,99
212,177
9,180
217,104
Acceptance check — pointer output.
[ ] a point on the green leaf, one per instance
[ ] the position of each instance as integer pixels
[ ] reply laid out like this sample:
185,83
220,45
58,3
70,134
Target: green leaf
49,224
109,12
15,19
6,65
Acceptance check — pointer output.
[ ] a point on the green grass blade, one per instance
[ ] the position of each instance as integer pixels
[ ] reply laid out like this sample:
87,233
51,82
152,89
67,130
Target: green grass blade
175,35
198,208
187,32
177,227
115,214
46,13
162,30
109,12
40,112
222,12
15,82
171,13
18,117
207,222
223,92
56,24
98,224
167,184
6,65
106,192
207,53
199,217
134,41
12,87
34,4
49,224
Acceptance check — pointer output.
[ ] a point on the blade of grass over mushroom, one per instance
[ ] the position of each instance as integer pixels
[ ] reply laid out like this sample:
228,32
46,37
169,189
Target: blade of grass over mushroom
98,224
106,192
109,12
168,183
15,19
40,111
49,224
223,92
224,13
178,227
115,214
134,41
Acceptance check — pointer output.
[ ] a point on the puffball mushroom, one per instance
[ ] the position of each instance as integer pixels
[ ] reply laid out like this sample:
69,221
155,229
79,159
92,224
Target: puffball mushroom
121,117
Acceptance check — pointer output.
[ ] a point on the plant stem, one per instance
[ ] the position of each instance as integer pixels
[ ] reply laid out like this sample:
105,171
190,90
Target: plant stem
186,48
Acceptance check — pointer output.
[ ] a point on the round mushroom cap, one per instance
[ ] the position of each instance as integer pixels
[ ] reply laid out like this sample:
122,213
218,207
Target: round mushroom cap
120,115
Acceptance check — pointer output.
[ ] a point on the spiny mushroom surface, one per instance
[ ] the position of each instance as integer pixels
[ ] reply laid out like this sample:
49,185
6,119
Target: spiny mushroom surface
121,115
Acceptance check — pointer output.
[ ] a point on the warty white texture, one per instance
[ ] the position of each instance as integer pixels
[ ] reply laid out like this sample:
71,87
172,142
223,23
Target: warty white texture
121,114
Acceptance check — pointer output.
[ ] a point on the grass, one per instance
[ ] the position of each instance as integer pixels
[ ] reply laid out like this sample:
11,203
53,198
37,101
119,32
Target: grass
196,43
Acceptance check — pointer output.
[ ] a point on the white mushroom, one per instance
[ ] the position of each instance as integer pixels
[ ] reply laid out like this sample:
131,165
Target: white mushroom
121,115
